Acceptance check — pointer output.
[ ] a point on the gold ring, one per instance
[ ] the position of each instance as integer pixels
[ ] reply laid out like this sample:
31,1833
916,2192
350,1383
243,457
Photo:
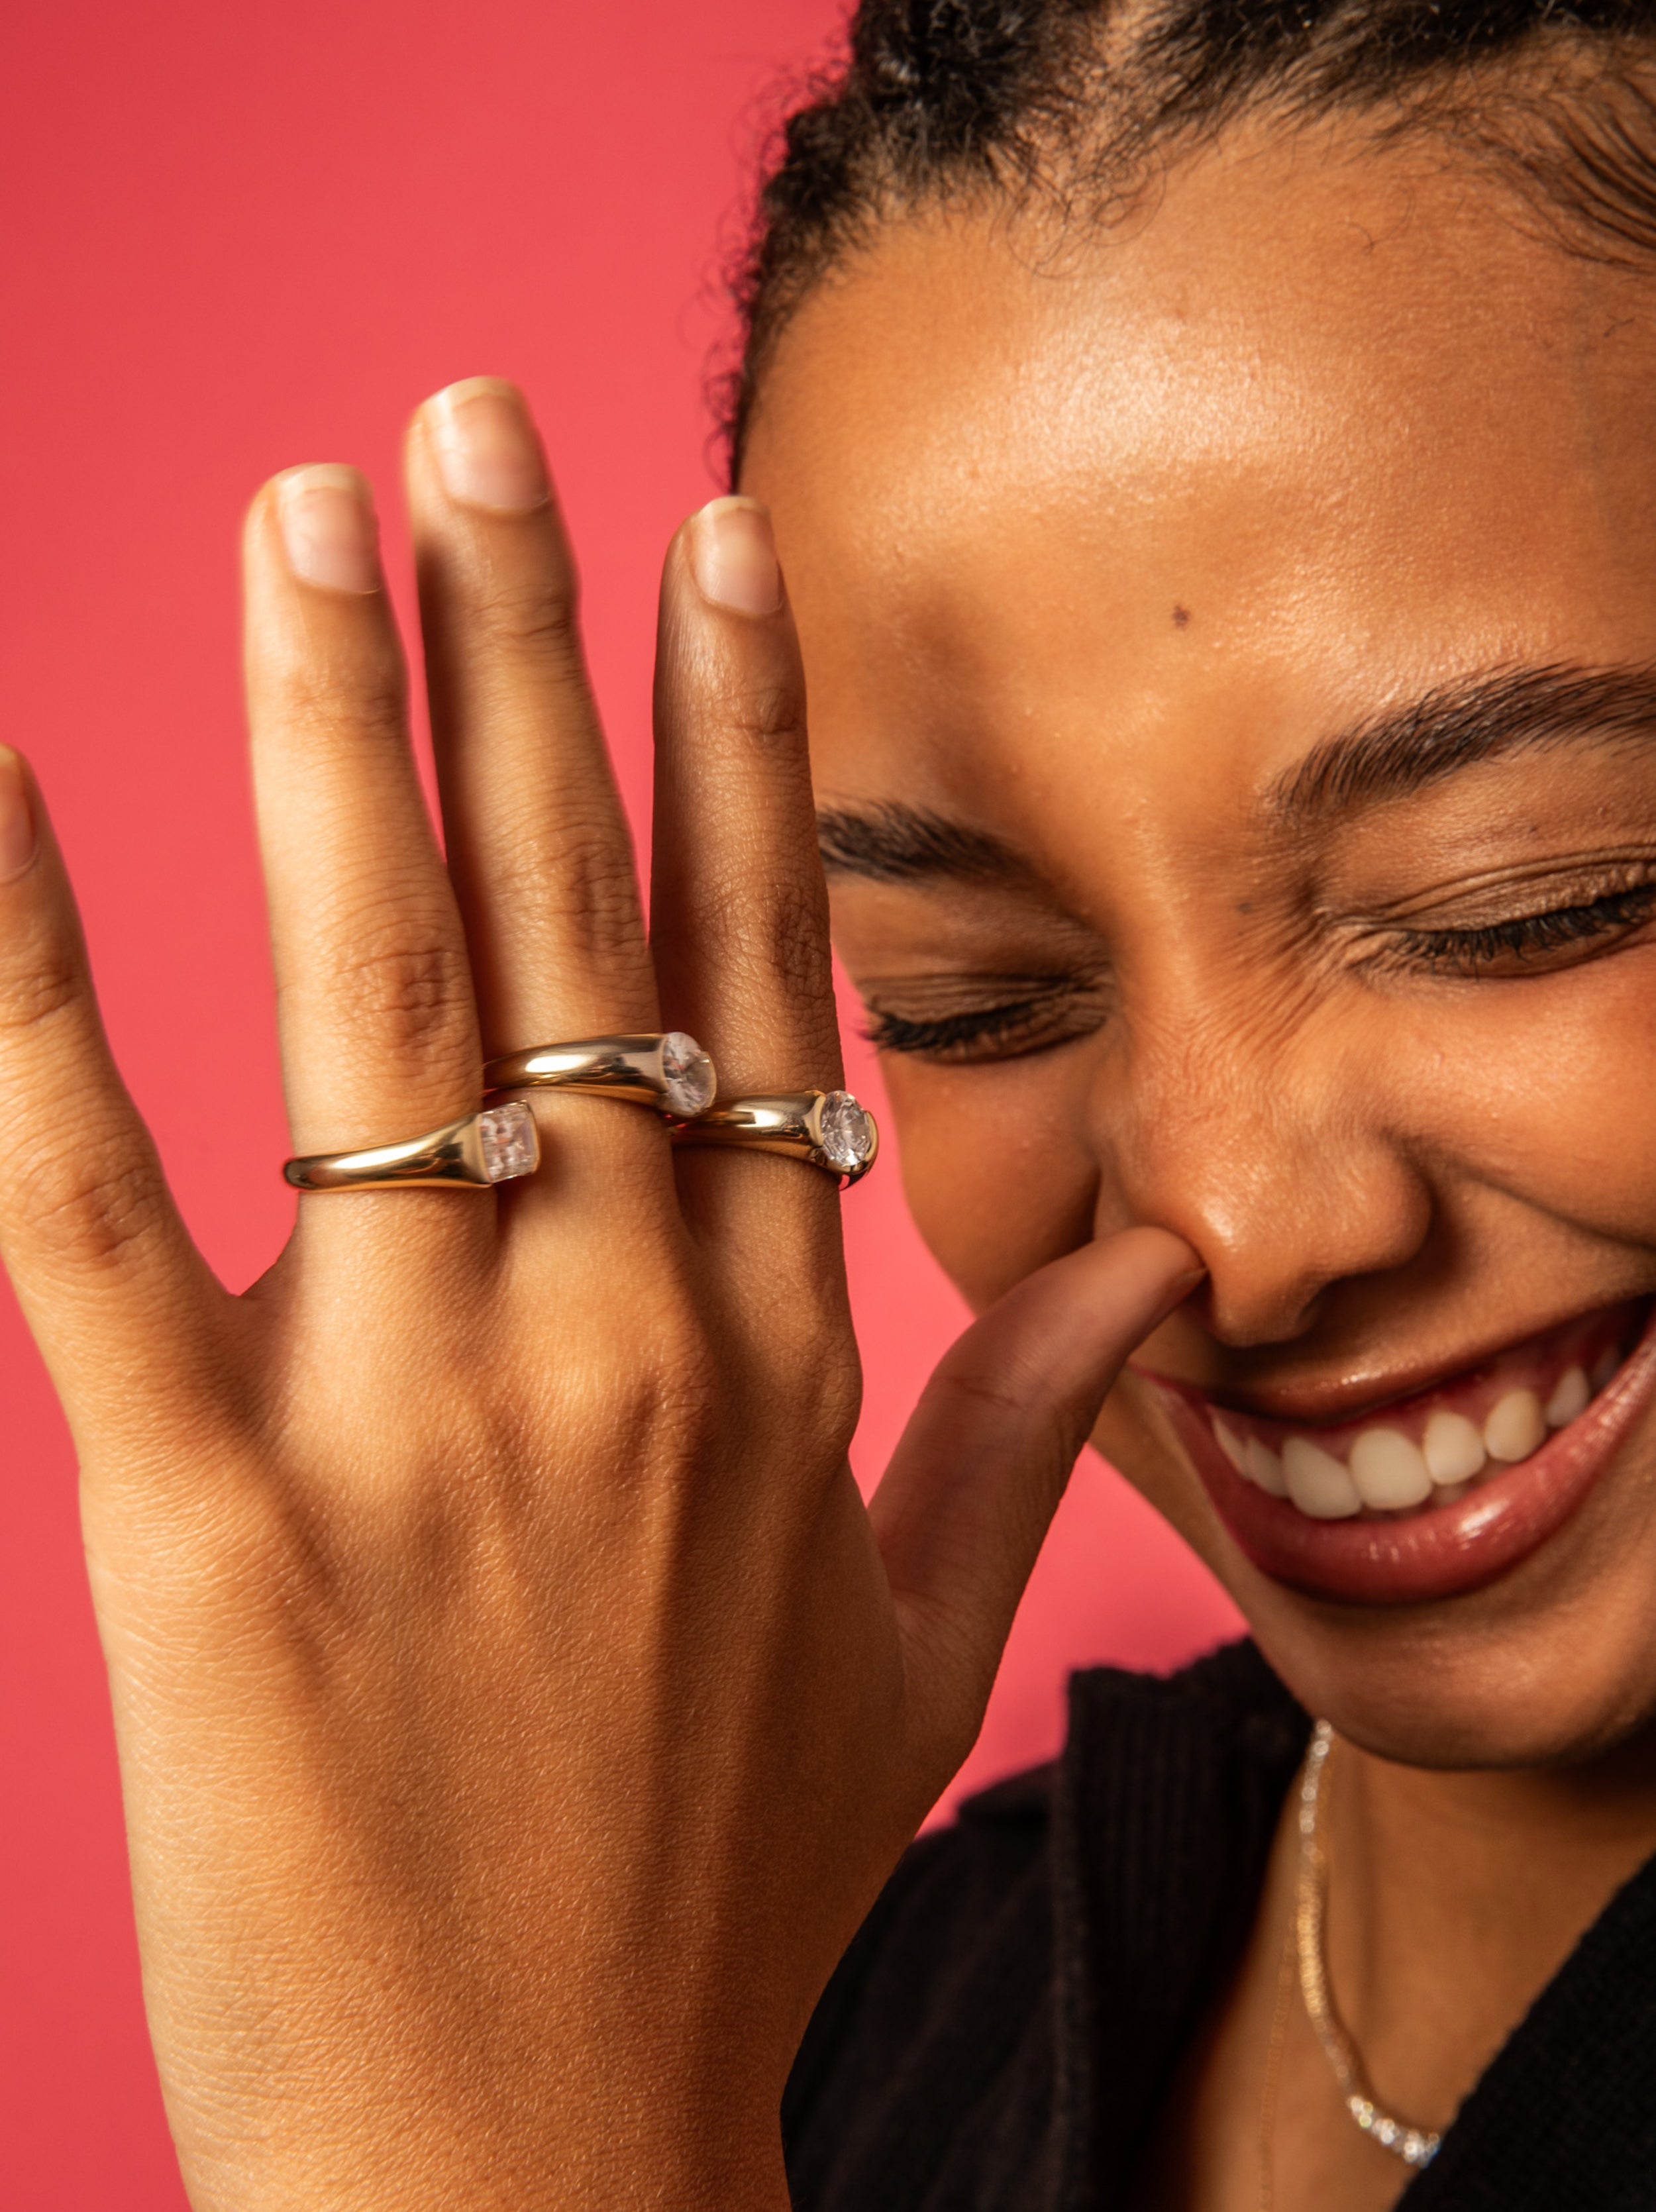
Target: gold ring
672,1072
477,1152
829,1128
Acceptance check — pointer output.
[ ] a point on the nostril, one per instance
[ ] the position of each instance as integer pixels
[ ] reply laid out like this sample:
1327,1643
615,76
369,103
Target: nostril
1282,1177
1243,1310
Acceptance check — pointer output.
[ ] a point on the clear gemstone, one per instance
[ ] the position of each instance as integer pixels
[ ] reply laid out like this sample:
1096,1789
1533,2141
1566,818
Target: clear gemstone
511,1147
687,1075
848,1133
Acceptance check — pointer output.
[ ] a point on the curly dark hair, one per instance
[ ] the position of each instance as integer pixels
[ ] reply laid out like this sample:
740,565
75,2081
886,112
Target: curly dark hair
932,99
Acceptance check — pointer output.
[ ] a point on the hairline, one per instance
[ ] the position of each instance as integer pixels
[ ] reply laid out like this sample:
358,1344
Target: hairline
1535,87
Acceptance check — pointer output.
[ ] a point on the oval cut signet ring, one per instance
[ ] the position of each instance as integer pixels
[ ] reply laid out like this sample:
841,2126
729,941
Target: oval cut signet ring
672,1072
829,1129
498,1145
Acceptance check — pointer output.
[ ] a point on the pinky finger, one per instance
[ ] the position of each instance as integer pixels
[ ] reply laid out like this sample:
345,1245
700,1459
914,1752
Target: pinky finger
109,1282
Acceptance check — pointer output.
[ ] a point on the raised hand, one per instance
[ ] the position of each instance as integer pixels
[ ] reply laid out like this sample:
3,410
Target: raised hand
518,1708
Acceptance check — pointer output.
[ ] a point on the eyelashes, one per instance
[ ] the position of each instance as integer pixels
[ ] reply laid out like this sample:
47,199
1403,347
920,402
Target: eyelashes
1527,938
1051,1016
1053,1011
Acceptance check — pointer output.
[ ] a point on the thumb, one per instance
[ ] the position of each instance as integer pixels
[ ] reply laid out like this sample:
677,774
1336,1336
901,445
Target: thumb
973,1485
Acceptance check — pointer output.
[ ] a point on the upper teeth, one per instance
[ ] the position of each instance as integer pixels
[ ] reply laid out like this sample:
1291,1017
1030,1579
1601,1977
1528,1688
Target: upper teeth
1266,1469
1515,1426
1454,1448
1568,1400
1387,1471
1317,1482
1390,1471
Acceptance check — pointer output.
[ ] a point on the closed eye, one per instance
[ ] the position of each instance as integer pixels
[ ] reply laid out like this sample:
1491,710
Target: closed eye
1055,1012
1530,941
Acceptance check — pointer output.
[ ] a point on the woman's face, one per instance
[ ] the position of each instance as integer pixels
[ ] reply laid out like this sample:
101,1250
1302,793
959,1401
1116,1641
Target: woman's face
1231,649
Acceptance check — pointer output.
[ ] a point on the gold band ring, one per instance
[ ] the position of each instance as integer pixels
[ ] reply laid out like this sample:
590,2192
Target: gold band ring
475,1153
672,1072
827,1127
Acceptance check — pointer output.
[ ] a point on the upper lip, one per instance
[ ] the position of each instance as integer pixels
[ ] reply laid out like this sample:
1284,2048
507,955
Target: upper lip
1318,1402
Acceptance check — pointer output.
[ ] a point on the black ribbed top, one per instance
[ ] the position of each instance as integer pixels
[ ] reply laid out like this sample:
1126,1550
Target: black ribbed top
1001,2033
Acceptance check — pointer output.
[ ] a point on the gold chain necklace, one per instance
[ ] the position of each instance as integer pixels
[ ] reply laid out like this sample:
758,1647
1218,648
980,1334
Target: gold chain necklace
1416,2146
1279,2028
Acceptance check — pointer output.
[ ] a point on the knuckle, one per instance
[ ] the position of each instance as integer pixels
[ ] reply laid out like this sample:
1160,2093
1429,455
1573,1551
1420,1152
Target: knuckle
35,996
580,885
832,1378
674,1354
833,1396
328,699
811,1373
538,617
656,1399
677,1380
404,977
773,928
88,1206
768,714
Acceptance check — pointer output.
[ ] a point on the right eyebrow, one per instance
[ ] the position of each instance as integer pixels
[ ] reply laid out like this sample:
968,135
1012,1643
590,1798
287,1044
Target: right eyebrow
893,843
1479,717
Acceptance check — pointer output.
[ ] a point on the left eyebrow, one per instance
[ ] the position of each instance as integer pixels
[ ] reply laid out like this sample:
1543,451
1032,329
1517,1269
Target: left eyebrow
1479,718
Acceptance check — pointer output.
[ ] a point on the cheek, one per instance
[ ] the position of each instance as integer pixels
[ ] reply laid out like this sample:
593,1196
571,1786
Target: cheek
996,1172
1546,1090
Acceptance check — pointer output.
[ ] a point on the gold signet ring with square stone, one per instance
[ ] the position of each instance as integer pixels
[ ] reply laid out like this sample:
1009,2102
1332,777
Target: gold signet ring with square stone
475,1153
829,1128
672,1072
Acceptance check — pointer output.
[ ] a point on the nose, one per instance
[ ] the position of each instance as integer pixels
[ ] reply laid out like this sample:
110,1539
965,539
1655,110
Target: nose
1276,1164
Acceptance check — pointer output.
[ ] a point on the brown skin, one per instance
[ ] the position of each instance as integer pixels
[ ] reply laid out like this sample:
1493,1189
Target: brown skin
1102,536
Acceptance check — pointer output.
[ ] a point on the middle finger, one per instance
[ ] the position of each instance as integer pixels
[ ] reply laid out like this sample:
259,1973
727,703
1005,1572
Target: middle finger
537,840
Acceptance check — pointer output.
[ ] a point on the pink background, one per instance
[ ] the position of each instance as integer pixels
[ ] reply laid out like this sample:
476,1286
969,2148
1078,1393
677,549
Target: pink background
235,238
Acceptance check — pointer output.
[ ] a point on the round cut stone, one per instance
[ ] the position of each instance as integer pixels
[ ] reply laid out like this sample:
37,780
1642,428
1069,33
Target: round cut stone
686,1075
848,1133
511,1146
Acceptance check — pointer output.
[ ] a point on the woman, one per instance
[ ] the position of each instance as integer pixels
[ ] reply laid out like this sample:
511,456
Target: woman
1210,455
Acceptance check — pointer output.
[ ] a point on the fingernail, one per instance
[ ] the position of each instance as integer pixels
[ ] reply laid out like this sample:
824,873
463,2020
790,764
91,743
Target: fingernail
328,526
487,451
17,817
733,557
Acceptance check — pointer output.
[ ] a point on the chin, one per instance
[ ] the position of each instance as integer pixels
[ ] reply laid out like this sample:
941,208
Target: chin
1462,1576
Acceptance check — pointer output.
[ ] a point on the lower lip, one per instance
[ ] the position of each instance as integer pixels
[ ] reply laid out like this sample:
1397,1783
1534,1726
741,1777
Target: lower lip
1442,1552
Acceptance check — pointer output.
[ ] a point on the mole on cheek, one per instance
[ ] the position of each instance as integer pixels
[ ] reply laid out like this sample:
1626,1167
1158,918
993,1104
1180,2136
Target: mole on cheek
1181,617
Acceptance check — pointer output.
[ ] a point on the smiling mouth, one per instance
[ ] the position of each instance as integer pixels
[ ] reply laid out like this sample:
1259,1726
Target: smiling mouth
1434,1493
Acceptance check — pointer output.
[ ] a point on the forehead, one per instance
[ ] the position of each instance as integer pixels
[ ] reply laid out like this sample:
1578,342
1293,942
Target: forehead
1313,431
